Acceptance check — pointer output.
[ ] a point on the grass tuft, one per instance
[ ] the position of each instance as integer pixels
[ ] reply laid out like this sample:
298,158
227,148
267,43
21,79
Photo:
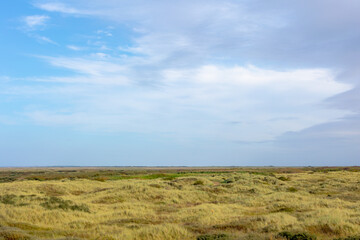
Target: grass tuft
9,233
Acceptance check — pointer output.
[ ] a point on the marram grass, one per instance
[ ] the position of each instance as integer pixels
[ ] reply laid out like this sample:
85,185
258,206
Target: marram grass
213,205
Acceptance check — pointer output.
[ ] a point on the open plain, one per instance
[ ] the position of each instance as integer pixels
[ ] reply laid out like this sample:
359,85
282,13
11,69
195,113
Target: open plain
180,203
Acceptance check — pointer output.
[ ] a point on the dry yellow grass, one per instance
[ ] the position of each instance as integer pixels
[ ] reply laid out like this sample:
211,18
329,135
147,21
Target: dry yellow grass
239,205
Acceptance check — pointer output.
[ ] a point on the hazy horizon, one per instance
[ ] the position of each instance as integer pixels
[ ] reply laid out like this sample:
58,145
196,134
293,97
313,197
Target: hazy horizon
185,83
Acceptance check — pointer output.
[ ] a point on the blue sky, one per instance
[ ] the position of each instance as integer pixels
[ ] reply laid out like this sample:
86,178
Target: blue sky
125,83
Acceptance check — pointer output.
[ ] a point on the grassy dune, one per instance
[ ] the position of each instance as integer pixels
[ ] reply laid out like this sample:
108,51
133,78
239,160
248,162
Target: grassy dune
227,203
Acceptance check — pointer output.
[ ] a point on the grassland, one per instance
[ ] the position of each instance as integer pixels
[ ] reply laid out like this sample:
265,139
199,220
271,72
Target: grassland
180,203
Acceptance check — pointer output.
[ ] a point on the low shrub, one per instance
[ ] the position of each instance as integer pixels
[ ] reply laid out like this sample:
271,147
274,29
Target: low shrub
8,199
292,189
198,182
296,236
282,178
7,179
58,203
213,237
227,181
284,209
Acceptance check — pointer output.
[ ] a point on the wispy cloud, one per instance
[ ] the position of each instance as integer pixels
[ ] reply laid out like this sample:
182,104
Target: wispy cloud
58,7
87,66
75,48
61,7
104,32
43,39
35,21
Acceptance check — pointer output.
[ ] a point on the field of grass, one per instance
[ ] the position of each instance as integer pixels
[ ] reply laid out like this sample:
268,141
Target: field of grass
180,203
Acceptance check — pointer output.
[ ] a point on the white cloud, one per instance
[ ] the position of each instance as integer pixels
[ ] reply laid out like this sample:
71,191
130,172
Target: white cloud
98,80
238,103
58,7
104,32
186,31
100,55
44,39
320,82
32,22
104,48
75,48
86,66
37,22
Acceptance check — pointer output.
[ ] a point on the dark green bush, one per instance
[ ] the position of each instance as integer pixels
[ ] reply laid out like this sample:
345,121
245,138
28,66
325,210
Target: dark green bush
7,179
8,199
213,237
292,189
284,209
253,190
296,236
198,182
227,181
282,178
58,203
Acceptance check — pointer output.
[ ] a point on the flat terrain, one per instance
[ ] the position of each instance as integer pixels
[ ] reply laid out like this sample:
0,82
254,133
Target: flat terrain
180,203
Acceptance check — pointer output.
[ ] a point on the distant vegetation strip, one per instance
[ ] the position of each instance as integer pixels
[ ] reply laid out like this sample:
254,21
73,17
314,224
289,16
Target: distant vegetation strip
103,174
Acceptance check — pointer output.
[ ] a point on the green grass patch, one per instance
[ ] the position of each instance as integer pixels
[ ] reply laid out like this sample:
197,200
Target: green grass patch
161,175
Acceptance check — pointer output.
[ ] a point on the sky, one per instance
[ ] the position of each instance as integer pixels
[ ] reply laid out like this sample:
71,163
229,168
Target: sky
179,83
